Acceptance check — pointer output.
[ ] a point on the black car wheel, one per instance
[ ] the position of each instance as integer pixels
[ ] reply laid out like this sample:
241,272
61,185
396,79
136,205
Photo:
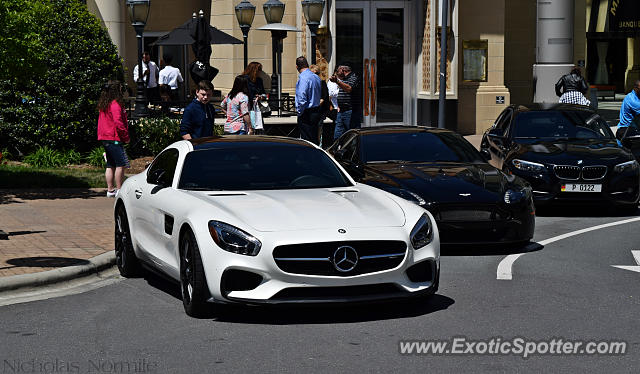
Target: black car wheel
193,283
126,259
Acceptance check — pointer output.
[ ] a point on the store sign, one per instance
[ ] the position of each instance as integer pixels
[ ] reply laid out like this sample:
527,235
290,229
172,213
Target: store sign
624,15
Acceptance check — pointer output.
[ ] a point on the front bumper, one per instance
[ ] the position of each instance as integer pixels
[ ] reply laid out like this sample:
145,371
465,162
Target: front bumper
272,285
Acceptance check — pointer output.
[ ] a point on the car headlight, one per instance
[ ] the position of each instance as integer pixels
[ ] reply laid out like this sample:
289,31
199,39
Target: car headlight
512,196
234,240
422,232
626,166
408,195
527,165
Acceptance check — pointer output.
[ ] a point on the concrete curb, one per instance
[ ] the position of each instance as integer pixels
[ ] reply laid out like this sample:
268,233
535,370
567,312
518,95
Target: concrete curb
95,265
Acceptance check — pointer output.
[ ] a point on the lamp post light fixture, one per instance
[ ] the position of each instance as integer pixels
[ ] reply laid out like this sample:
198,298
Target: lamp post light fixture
313,10
273,11
138,14
245,11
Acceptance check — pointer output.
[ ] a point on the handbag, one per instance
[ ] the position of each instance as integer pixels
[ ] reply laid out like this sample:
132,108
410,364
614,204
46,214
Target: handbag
265,109
257,122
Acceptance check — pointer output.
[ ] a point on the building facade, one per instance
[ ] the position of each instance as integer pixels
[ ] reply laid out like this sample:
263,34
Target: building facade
394,46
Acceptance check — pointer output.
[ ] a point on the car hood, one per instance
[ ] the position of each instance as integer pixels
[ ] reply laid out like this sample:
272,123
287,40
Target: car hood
561,152
442,182
309,209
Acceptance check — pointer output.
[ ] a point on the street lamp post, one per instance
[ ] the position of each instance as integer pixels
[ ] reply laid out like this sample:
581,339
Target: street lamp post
273,14
138,14
313,10
245,11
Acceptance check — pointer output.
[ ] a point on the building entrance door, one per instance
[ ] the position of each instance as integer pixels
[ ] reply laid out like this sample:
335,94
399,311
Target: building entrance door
373,37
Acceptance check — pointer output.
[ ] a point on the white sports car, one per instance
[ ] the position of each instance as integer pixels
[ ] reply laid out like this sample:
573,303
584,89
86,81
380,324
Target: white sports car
260,219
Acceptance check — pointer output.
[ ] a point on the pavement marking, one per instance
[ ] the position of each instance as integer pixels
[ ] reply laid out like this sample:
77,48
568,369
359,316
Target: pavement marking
636,256
505,266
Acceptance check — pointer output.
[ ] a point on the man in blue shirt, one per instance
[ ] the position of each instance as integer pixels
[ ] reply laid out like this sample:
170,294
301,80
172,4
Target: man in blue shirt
198,117
630,109
308,93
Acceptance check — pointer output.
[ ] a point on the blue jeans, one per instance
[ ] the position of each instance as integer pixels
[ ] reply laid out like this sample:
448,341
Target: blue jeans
343,123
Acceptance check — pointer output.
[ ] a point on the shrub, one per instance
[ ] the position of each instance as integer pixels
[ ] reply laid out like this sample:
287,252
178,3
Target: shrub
95,157
152,135
72,157
51,100
45,157
7,155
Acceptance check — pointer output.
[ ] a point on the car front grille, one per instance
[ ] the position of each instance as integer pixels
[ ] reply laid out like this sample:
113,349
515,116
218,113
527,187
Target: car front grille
575,172
593,172
567,172
318,258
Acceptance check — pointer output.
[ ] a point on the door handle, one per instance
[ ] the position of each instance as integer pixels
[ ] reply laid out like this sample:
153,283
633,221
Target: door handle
138,193
373,87
366,87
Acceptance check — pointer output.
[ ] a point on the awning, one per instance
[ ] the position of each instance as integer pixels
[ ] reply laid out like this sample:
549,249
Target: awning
611,19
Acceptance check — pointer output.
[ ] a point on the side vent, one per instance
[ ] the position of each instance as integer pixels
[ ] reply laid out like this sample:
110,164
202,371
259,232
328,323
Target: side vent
168,224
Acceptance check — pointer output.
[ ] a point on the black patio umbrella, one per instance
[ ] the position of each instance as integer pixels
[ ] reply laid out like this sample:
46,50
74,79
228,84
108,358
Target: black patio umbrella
185,35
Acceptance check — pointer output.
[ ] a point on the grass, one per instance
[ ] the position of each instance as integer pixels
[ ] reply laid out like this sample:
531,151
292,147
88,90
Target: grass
19,176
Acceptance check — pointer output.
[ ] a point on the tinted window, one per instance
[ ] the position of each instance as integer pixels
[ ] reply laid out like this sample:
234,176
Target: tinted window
561,125
418,146
165,161
260,166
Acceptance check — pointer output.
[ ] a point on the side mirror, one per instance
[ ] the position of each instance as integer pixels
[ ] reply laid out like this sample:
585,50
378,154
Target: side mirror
486,155
339,154
632,142
156,177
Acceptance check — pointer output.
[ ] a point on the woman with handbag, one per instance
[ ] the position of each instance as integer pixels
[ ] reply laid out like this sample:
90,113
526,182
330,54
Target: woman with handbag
256,93
236,107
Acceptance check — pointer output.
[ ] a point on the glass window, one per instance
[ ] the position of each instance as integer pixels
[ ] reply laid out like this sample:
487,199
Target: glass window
166,162
418,147
259,166
561,125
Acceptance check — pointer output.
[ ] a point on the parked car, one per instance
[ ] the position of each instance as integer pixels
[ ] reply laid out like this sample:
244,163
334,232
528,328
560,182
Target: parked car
472,201
259,219
567,153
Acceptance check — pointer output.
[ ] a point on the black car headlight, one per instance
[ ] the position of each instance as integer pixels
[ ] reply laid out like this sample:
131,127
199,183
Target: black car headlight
422,232
408,195
626,166
527,166
514,195
232,239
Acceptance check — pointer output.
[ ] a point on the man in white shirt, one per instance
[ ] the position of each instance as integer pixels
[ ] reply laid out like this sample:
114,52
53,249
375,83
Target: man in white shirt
170,76
149,75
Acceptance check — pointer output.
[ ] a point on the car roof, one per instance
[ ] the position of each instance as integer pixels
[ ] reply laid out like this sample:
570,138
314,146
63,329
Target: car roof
395,129
214,141
551,107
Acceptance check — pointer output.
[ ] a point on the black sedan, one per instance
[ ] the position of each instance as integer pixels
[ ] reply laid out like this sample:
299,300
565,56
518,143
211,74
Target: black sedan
472,201
567,153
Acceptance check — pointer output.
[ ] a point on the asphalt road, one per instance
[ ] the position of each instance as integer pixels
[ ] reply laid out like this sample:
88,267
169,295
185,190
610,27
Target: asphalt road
567,289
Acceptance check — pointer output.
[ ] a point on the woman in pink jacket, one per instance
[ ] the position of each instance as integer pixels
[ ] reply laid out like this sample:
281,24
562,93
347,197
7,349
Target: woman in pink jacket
113,131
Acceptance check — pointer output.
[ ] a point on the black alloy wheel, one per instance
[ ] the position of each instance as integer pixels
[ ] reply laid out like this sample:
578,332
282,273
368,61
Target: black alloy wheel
193,283
126,260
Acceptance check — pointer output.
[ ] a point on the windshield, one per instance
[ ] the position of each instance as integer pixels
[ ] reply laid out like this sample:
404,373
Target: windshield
259,166
570,124
418,147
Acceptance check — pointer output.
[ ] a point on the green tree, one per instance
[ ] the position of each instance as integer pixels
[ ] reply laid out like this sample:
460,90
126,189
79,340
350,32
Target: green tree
50,100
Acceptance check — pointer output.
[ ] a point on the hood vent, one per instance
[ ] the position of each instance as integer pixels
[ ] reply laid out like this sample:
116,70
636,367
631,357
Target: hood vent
228,194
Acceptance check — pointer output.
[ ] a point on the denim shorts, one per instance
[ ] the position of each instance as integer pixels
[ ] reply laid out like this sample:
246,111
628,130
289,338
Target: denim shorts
116,157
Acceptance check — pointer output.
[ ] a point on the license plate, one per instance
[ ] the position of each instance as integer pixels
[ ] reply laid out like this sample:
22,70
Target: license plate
581,187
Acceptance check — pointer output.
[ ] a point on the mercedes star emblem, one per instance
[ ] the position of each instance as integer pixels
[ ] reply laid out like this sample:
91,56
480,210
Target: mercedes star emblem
345,259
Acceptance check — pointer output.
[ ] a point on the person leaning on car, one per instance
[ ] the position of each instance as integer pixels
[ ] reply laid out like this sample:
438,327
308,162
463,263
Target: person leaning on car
571,88
630,108
197,121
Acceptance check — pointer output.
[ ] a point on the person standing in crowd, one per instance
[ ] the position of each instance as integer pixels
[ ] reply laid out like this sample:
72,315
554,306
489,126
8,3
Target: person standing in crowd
150,74
308,94
256,87
170,76
572,87
325,103
198,117
349,100
628,111
113,132
236,107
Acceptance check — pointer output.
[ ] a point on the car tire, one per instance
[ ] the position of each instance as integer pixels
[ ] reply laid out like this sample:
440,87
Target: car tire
193,283
126,259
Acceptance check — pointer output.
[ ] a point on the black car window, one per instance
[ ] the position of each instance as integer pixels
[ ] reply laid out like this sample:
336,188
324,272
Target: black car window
504,119
350,149
553,124
260,166
417,147
165,162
